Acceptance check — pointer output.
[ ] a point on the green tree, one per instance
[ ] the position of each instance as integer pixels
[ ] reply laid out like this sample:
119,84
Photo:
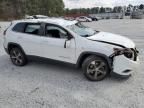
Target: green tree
102,10
67,11
141,6
19,8
118,9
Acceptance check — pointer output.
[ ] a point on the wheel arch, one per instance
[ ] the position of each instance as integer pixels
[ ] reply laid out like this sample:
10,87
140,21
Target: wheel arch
84,55
13,45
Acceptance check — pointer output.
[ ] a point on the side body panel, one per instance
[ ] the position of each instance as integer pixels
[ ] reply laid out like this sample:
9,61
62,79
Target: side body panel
54,48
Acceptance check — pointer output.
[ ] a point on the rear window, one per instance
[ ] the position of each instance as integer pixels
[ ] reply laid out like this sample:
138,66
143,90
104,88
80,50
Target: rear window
19,27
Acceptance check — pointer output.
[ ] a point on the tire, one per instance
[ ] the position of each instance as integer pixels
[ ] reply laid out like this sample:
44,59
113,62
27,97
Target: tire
17,57
95,68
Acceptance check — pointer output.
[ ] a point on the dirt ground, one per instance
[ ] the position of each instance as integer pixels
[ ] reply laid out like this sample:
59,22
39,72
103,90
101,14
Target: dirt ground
56,85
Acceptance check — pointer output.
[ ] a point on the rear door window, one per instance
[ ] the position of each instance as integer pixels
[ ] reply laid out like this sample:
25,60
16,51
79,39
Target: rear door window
33,29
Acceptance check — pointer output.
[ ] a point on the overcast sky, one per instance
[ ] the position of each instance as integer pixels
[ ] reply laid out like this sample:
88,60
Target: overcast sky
95,3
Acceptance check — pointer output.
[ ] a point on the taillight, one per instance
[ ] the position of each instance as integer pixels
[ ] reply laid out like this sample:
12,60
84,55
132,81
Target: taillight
4,33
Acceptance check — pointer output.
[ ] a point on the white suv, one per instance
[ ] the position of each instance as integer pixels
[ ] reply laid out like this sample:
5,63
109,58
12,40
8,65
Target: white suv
98,53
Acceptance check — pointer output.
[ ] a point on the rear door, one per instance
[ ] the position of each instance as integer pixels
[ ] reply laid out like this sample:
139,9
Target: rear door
29,38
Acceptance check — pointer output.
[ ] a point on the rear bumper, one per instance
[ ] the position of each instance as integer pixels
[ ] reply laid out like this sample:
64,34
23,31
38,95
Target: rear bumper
123,66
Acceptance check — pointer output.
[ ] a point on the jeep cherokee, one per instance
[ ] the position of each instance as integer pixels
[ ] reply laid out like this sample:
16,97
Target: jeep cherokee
98,53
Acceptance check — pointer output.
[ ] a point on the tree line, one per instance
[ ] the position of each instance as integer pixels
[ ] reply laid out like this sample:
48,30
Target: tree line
96,10
14,9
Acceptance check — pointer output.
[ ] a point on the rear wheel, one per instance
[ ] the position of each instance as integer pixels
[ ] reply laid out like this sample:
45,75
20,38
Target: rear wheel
96,19
95,68
87,20
18,58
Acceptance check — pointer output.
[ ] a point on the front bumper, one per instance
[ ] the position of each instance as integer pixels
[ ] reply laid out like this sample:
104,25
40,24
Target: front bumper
124,66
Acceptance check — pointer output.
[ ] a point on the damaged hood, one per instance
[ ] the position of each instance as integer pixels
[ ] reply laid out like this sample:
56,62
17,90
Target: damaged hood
110,38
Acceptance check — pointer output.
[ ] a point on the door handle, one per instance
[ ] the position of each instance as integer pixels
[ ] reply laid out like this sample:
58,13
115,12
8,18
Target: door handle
65,44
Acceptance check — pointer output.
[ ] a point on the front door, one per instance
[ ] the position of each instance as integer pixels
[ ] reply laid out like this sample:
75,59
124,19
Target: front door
56,44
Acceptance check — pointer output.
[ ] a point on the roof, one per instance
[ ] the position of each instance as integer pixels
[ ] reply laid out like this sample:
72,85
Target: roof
58,21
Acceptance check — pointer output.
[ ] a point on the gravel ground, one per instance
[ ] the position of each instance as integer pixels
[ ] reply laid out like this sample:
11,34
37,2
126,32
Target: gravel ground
56,85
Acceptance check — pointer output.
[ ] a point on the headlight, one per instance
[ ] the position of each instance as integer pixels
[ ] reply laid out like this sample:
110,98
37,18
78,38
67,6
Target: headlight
123,51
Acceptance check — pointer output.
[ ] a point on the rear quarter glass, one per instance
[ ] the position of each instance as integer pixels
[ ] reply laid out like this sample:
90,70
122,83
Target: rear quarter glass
19,27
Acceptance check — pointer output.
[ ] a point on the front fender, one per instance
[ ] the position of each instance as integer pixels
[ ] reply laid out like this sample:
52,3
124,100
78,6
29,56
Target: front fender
84,55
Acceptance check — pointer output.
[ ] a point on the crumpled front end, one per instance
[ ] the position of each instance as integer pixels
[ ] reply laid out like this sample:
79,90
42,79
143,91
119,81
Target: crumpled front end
125,63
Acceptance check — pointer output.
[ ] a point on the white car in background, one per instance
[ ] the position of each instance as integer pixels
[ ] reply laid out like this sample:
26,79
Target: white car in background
36,17
29,17
84,19
98,53
40,17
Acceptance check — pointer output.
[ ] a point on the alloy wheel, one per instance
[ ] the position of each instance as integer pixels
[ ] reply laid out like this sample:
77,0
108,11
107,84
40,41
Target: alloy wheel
16,57
96,69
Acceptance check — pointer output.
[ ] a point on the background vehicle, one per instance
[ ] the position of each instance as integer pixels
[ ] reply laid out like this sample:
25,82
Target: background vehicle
36,17
93,18
84,19
29,17
40,17
98,53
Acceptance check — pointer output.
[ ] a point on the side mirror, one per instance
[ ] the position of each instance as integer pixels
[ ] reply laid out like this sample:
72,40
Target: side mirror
67,42
69,36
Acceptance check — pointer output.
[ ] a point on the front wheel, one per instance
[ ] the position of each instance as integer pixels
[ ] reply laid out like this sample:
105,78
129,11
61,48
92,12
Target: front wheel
18,58
87,20
95,68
